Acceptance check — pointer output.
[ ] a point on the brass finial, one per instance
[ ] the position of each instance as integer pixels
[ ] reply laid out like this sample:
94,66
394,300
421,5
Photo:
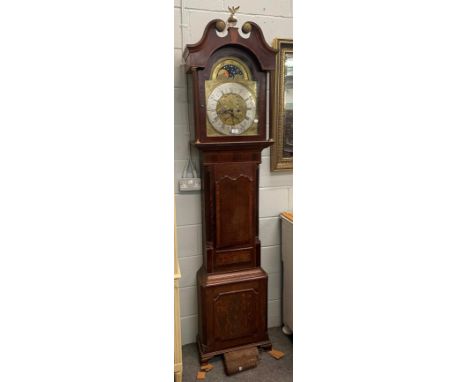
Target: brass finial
220,25
247,27
232,19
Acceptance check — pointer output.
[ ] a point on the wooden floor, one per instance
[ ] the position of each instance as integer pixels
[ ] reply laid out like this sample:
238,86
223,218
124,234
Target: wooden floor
268,369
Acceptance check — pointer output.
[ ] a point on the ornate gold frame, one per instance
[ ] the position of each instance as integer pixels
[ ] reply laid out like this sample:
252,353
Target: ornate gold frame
278,161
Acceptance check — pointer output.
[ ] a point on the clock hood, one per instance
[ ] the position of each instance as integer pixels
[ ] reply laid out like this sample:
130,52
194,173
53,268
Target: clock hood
197,55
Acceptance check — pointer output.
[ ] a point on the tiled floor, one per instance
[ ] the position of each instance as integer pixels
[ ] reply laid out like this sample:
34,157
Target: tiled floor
268,369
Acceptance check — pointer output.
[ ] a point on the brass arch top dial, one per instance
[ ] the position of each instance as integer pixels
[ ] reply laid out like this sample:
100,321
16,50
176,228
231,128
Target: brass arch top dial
231,99
231,108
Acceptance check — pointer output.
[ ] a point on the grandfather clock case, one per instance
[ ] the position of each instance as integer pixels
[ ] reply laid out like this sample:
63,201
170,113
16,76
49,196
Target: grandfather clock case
228,72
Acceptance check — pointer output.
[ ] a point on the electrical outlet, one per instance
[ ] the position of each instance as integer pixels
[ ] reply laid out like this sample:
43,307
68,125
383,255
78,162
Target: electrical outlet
189,184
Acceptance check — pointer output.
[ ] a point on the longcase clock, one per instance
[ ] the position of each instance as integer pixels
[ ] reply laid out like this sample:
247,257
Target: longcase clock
228,72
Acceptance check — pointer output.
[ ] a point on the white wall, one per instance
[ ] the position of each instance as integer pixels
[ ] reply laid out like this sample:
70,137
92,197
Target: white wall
275,19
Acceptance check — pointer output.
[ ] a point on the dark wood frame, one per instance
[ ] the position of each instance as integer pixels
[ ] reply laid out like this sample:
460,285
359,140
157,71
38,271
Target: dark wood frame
278,162
232,286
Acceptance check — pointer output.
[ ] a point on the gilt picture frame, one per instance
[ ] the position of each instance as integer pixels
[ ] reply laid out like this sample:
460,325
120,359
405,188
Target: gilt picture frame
281,157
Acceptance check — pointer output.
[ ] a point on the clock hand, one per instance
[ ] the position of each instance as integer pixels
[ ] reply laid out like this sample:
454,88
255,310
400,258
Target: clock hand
233,117
223,110
226,111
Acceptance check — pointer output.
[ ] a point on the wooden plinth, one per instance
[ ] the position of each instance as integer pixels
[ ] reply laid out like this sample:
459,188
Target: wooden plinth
232,311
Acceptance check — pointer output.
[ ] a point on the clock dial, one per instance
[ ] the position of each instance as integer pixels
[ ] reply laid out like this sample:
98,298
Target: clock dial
231,108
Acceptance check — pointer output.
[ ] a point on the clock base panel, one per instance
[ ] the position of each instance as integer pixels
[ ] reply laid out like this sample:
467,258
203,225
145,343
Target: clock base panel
232,311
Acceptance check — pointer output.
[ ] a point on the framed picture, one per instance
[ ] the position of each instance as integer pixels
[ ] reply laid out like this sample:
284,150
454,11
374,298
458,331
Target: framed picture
282,124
